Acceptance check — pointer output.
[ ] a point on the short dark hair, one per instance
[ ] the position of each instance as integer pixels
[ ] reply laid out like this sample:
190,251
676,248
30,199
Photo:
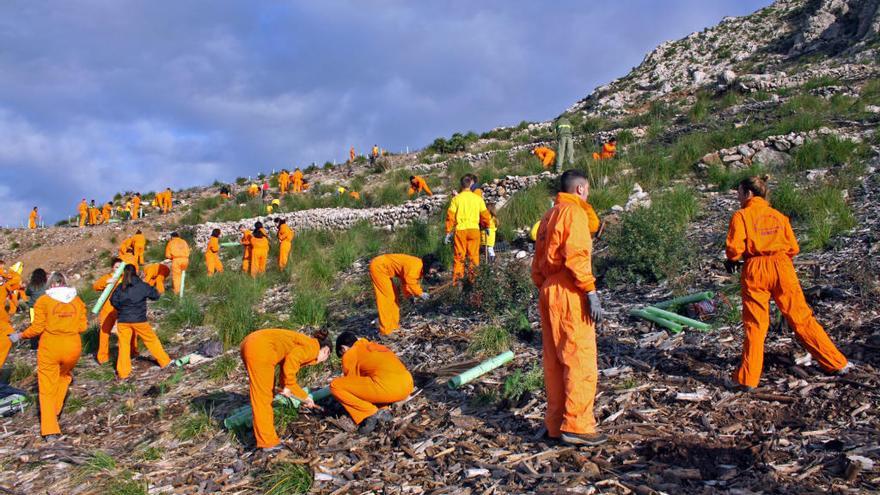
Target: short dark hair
466,181
571,179
346,339
215,233
258,234
258,225
412,178
175,234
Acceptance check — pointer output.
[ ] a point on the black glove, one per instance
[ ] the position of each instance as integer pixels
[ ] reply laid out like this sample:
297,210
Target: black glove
732,266
596,312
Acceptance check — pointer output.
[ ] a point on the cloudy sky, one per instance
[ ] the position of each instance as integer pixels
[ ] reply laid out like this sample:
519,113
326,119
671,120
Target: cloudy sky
101,96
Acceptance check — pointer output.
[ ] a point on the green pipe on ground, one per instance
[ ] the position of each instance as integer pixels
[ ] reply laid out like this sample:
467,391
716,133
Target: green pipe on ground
671,325
107,290
243,417
182,282
182,361
683,320
690,298
229,244
480,369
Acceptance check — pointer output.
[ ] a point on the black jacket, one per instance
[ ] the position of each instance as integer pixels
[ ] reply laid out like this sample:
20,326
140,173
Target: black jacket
131,302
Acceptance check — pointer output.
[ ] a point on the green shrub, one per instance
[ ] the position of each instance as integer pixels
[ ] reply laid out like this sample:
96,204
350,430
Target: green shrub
821,82
186,313
788,198
309,307
726,179
223,367
500,289
519,383
524,209
490,340
649,244
700,110
193,425
286,478
828,216
820,153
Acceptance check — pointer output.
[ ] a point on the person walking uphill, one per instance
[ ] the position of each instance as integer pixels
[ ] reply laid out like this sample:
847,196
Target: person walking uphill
130,301
83,210
59,319
372,375
409,270
763,238
259,252
261,352
285,240
565,144
212,254
246,238
562,272
177,250
32,218
466,215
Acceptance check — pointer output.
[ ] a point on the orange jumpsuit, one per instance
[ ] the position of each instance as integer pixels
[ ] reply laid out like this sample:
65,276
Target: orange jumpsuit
14,290
297,179
140,245
261,351
166,204
467,213
83,213
285,240
351,155
127,252
154,275
5,328
135,207
106,322
59,325
246,237
763,237
417,185
382,270
355,195
212,256
32,220
563,274
608,151
94,216
106,211
283,181
259,255
177,250
546,155
372,375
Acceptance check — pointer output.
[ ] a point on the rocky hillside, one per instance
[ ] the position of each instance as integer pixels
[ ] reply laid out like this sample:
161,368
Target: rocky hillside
792,91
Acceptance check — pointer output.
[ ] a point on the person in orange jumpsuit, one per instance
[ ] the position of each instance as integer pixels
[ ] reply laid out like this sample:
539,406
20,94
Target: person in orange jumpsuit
466,215
106,212
83,209
609,150
94,214
283,181
246,237
297,179
261,352
107,314
5,326
135,206
59,319
372,376
127,252
285,241
355,195
409,270
140,245
14,288
32,218
351,155
155,274
177,250
212,254
418,185
763,238
130,301
259,252
569,307
545,155
253,190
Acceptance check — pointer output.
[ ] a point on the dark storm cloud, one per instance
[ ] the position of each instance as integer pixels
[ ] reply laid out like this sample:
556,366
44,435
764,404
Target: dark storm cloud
104,96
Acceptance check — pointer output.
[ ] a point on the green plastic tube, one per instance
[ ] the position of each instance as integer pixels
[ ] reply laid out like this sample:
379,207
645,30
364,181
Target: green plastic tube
690,298
480,369
182,282
229,244
107,290
671,325
243,417
182,361
683,320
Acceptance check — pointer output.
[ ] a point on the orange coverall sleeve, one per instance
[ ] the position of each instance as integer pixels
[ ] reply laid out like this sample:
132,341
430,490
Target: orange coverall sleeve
537,273
289,370
101,283
485,217
410,277
793,249
573,231
450,215
38,326
213,245
593,219
168,251
736,237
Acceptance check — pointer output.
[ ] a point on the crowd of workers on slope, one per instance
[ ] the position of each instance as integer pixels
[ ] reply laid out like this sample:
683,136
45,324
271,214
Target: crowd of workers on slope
760,242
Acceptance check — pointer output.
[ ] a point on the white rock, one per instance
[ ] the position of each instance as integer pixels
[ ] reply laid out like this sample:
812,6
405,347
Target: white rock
520,255
817,174
745,151
731,158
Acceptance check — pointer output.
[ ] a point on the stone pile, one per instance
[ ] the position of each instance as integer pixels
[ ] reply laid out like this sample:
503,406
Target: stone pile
773,151
478,157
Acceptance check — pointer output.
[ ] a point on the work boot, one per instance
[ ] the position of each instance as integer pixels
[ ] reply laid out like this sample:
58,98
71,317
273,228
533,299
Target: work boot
734,386
272,450
51,438
587,439
384,416
368,425
845,370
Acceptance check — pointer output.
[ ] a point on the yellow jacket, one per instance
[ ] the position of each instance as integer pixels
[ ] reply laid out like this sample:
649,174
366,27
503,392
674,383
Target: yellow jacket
467,211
